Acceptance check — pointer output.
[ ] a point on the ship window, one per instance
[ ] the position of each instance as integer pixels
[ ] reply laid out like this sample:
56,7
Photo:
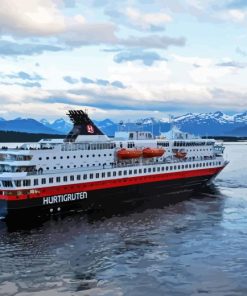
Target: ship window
58,179
61,157
171,168
190,166
40,158
81,156
162,168
158,169
50,180
178,167
18,183
85,177
54,168
26,182
93,155
125,173
43,181
72,178
78,177
9,183
103,175
74,166
97,175
135,172
154,169
145,170
47,169
36,182
120,173
91,176
182,167
74,156
114,174
54,157
47,158
140,171
186,166
175,167
130,172
68,166
65,178
149,170
193,165
197,165
167,168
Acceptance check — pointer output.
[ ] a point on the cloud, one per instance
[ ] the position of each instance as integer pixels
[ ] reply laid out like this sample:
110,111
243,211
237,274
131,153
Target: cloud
26,84
10,48
87,80
147,57
134,18
70,80
153,41
237,4
118,84
147,20
25,76
232,64
103,82
241,52
31,18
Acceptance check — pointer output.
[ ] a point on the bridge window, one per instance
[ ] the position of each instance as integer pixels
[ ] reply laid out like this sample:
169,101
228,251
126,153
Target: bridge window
26,182
18,183
7,183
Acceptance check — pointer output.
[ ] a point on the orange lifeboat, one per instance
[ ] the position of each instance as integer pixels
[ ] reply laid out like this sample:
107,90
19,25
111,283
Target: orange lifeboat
180,154
153,152
129,153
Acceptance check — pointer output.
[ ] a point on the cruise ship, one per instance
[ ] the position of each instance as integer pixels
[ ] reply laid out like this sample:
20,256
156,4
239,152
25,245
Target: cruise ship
88,166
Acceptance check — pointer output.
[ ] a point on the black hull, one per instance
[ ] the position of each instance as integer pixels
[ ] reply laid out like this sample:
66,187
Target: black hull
105,198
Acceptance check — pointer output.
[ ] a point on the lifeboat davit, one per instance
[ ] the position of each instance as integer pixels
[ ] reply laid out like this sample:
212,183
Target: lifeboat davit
180,154
152,152
129,153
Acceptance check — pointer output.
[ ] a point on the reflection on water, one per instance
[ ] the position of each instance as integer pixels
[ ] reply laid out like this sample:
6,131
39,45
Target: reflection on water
194,246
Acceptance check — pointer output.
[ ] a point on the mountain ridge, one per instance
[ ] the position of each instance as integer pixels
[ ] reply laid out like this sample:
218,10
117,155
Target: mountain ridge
203,124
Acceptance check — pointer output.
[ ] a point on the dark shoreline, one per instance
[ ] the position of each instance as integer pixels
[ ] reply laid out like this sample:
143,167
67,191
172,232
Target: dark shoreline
17,137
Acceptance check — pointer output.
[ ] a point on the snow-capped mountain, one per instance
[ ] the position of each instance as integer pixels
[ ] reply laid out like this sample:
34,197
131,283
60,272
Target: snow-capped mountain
204,124
27,125
60,125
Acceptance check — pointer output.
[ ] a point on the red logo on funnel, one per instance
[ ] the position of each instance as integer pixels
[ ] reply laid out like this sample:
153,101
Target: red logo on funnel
90,129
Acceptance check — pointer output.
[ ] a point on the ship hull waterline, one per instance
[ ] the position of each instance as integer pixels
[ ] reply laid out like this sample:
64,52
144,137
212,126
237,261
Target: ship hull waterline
103,197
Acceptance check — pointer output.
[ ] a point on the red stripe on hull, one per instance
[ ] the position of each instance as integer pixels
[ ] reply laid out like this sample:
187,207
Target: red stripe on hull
96,185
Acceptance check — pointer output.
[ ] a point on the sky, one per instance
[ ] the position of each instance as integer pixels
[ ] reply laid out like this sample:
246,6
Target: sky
124,59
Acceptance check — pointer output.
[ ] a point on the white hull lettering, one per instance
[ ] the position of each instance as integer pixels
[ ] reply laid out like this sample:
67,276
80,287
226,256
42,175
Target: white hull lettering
49,200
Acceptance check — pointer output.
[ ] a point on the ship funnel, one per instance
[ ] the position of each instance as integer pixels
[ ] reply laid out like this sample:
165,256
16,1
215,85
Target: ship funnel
83,126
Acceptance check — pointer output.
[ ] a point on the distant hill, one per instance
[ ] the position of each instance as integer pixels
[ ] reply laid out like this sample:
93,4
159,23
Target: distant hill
203,124
28,125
